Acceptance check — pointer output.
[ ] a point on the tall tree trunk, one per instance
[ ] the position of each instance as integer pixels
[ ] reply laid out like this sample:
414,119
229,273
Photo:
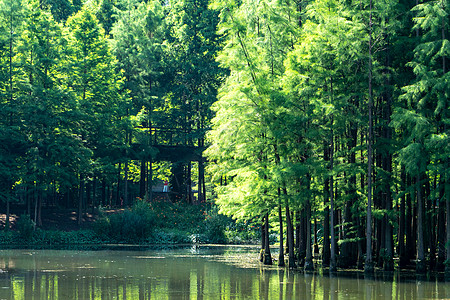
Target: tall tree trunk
80,200
326,217
149,188
201,178
421,264
441,227
267,255
447,206
119,185
189,183
290,238
401,222
142,181
333,262
280,220
368,267
309,265
300,217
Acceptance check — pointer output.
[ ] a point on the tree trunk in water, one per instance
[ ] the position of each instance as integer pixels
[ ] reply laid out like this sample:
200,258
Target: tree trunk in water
368,267
401,224
300,217
290,238
316,240
309,265
421,265
267,255
326,217
333,262
281,252
447,206
263,241
409,246
441,229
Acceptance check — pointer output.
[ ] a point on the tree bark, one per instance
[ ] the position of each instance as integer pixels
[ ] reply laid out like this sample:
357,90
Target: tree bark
326,218
309,265
421,264
368,267
290,238
267,254
280,218
441,228
401,225
333,262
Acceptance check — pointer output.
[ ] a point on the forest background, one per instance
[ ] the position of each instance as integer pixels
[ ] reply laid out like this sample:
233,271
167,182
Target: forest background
325,121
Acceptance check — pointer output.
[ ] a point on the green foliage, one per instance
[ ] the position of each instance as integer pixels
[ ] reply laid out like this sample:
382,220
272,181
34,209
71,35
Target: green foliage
25,227
169,236
53,237
131,225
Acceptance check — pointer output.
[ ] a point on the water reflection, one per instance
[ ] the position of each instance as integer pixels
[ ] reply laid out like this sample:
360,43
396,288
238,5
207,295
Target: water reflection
218,273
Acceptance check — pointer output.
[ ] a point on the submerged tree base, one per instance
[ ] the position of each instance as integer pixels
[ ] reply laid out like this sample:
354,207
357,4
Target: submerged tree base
421,267
369,268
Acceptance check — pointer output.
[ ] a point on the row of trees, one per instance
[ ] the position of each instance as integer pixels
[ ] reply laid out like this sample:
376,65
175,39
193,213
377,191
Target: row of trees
81,82
337,112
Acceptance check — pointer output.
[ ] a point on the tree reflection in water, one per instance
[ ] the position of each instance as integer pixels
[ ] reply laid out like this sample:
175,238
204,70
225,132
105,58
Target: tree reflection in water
209,273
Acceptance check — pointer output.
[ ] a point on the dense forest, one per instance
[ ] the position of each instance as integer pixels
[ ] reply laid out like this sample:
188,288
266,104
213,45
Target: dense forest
325,122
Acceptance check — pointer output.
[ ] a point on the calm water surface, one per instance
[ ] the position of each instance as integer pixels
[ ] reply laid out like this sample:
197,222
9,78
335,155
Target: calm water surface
188,273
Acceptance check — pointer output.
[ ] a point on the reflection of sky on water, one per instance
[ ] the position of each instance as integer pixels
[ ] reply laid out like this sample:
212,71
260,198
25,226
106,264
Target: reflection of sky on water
187,273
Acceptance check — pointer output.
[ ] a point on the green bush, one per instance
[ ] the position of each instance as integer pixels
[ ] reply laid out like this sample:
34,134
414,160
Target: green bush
215,225
55,237
25,227
131,225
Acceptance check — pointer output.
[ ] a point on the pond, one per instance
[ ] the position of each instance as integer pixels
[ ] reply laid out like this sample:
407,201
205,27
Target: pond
187,273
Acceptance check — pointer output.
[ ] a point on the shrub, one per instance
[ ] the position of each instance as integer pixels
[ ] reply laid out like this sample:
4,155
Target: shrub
131,225
25,227
215,225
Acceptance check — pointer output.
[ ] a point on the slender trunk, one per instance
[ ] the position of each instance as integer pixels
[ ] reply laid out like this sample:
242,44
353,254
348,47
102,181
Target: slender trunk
333,262
267,255
150,181
263,241
39,209
280,218
189,183
300,217
326,217
94,193
401,220
142,181
80,200
316,240
201,178
290,238
309,265
447,206
441,228
368,267
421,265
125,185
119,185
